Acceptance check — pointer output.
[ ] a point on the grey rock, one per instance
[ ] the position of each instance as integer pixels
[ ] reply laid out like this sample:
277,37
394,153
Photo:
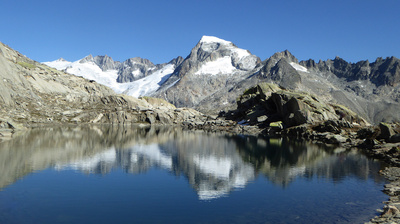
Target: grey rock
104,62
262,118
134,69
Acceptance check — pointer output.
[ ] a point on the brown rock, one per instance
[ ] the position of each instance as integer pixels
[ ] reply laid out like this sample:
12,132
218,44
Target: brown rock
390,211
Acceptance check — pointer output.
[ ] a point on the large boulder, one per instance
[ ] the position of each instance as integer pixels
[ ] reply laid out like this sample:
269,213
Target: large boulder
386,131
273,103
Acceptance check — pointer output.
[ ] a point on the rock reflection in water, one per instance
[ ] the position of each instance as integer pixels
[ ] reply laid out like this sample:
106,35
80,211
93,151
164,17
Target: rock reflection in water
282,160
214,164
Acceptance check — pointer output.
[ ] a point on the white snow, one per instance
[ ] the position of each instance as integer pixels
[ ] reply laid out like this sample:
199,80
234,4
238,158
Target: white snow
58,64
224,65
298,67
241,53
136,73
148,84
218,167
220,66
211,39
153,153
90,163
233,174
90,70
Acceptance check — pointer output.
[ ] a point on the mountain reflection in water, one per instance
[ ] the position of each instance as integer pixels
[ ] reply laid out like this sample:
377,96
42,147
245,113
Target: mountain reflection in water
214,164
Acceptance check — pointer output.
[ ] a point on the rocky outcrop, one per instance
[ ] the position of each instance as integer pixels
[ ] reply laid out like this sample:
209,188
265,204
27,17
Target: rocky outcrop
137,68
104,62
267,103
134,68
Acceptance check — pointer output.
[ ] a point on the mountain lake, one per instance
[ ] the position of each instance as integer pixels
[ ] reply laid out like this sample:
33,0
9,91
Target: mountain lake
129,174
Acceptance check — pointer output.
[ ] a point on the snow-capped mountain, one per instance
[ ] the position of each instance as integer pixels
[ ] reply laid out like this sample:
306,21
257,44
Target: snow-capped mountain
212,65
141,77
216,72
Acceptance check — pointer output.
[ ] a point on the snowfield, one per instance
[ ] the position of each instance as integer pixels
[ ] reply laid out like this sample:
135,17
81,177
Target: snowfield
220,66
224,65
298,67
149,84
89,70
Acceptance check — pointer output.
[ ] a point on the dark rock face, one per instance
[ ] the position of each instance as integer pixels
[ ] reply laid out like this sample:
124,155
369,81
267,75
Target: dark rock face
381,72
133,69
104,62
137,68
285,74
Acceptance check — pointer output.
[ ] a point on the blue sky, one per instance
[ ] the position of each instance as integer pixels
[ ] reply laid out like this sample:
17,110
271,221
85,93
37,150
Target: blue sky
160,30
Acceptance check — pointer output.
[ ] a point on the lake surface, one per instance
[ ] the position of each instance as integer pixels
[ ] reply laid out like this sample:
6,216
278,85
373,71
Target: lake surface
112,174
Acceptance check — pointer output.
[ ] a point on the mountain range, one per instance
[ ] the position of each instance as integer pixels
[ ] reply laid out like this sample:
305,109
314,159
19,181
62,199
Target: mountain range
217,72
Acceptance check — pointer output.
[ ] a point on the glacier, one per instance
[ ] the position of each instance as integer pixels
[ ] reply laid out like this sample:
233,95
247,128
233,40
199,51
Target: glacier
89,70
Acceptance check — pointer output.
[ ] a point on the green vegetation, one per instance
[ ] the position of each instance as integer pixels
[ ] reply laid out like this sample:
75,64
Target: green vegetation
26,65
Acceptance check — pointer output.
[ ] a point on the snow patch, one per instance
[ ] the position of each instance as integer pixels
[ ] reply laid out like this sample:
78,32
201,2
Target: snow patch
298,67
218,167
220,66
153,153
240,53
59,64
211,39
149,84
90,163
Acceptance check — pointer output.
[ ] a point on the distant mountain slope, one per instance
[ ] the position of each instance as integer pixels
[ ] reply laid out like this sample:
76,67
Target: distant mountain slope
216,73
33,94
135,77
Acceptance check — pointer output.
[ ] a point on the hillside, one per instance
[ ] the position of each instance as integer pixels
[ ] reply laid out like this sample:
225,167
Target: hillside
33,94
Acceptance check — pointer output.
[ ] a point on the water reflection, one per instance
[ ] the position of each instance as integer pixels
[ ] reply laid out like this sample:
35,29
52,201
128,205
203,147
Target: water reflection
214,164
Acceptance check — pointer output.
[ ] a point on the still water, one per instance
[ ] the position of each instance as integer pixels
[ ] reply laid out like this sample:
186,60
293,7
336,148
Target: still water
111,174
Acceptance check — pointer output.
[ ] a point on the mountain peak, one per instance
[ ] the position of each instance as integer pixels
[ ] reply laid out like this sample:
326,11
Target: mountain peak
212,39
87,59
285,54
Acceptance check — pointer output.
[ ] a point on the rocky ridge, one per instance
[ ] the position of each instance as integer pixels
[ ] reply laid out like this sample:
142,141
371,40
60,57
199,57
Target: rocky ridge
335,81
